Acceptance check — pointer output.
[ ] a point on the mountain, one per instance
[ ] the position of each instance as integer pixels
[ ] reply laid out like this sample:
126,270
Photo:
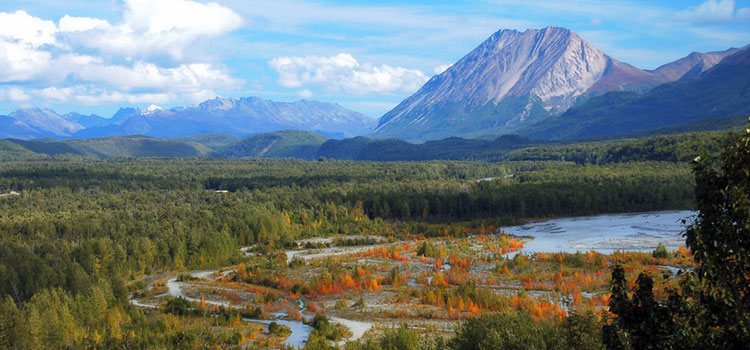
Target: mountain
120,146
14,128
46,122
308,146
214,140
86,121
452,148
344,149
123,114
279,144
719,92
240,117
693,64
621,76
512,79
10,151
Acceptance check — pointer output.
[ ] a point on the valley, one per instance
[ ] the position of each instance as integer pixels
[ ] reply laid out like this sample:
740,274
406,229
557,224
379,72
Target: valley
250,253
316,175
364,289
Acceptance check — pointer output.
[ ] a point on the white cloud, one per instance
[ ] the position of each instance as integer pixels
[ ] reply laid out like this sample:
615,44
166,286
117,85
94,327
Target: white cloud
743,13
157,28
343,73
24,65
37,52
442,68
305,93
22,37
57,95
19,62
95,98
713,11
16,94
189,17
142,75
89,95
81,24
22,28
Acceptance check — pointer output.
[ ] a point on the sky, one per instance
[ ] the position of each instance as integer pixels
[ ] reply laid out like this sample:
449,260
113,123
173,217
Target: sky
98,56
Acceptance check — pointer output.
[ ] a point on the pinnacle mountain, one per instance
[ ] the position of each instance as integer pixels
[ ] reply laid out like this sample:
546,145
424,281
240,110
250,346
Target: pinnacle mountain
510,80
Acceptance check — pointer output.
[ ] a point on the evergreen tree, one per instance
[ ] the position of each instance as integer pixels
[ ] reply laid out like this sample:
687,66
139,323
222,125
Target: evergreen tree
720,242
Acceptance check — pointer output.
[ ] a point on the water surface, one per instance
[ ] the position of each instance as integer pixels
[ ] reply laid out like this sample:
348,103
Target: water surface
606,233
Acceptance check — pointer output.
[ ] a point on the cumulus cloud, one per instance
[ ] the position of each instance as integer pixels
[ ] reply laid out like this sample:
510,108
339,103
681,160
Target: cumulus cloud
57,95
343,73
81,24
99,97
22,37
21,62
155,28
139,59
16,94
713,11
22,28
142,75
89,95
305,93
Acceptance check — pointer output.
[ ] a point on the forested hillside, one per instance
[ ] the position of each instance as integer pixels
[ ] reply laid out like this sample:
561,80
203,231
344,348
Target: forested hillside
118,146
308,146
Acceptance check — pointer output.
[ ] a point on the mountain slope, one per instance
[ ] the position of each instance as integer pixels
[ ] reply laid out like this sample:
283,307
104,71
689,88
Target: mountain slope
121,146
279,144
214,140
86,121
722,91
452,148
621,76
46,122
510,80
693,64
14,128
11,151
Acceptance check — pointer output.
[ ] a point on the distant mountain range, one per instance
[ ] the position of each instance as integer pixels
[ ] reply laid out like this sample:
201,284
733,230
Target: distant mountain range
542,84
239,117
515,79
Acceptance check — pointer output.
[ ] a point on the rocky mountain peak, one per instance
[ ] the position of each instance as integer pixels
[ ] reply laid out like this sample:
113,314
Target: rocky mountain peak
509,79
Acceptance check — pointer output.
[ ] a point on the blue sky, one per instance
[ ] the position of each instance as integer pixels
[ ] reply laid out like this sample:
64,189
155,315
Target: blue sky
97,56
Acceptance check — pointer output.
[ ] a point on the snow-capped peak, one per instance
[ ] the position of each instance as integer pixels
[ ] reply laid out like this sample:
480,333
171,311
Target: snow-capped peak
151,109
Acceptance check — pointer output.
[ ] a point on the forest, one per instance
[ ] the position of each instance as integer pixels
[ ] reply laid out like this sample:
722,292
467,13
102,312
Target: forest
79,236
674,145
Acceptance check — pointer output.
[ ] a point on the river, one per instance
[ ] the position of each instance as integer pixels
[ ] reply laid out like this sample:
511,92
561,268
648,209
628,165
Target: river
300,332
606,233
